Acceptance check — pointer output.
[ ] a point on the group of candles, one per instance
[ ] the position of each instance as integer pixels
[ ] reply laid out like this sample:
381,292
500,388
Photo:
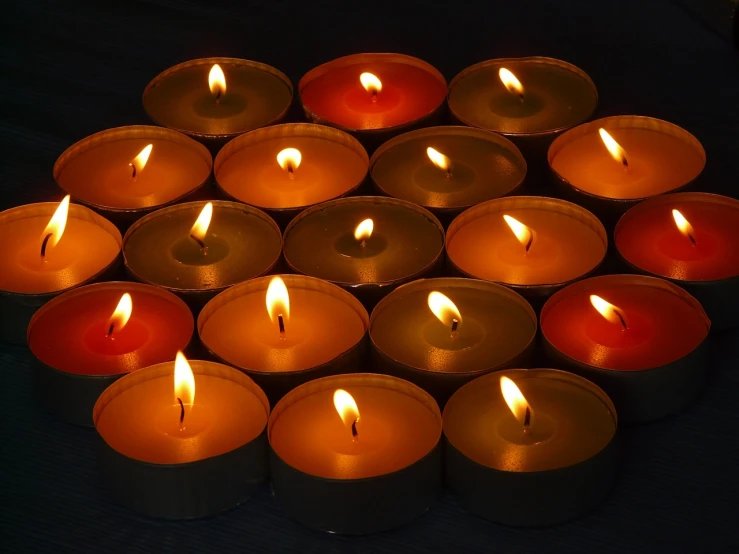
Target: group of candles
361,452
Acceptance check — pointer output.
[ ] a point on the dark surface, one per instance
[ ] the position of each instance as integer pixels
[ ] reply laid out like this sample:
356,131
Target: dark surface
71,69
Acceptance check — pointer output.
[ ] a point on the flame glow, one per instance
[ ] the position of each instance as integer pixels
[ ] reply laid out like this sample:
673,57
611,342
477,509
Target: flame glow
606,309
200,228
364,230
683,224
614,148
56,226
121,314
139,162
217,81
289,159
184,381
522,232
443,308
346,406
511,82
438,159
515,400
371,83
278,300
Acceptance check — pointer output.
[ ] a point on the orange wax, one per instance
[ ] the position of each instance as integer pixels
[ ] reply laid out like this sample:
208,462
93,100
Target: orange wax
398,425
324,322
96,170
333,163
661,157
139,416
568,241
88,246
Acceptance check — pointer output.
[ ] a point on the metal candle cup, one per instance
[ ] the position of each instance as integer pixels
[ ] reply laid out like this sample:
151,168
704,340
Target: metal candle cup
702,257
475,165
100,172
406,242
557,467
646,348
161,465
379,474
78,355
495,330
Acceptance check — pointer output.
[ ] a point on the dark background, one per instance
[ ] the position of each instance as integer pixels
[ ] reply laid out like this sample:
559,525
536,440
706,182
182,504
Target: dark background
70,69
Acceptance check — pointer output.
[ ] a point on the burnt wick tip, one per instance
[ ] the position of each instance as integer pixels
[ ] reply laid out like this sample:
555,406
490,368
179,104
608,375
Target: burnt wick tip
200,243
281,323
354,428
455,324
111,328
45,243
527,417
182,410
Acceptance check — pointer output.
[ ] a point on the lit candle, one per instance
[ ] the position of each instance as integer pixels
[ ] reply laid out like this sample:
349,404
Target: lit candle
182,439
91,336
640,338
49,248
447,169
690,239
442,333
367,245
285,168
533,244
284,330
214,99
530,447
127,171
198,249
355,453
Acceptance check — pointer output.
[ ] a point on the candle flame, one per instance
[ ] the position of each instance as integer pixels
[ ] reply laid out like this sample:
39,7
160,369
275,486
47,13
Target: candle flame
364,230
516,401
444,309
278,300
200,228
438,159
55,229
121,314
523,233
614,149
289,159
683,225
371,83
139,162
511,82
607,310
217,81
184,381
346,407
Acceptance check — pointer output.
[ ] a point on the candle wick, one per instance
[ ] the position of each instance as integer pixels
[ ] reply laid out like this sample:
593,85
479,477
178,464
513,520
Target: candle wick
218,96
692,238
530,242
625,162
290,171
355,433
622,319
200,243
521,97
44,243
281,323
182,410
448,174
374,96
455,324
363,243
133,170
527,418
110,329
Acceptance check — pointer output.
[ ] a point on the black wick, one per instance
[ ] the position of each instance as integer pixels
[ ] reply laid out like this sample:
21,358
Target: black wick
531,240
621,318
133,170
281,323
44,243
110,329
455,324
182,411
527,417
200,243
354,428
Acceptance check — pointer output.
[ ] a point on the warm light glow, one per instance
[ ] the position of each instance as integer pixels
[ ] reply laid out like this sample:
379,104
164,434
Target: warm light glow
278,300
121,314
289,159
607,310
184,381
346,407
371,83
55,229
200,228
217,81
614,148
444,309
139,162
438,159
524,235
511,82
515,400
683,225
364,230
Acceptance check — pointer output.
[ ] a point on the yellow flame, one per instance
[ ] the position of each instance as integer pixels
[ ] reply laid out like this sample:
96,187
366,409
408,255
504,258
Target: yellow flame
139,162
200,228
444,309
683,224
370,83
606,309
523,233
364,230
511,82
346,406
121,314
515,399
614,148
217,81
184,380
289,159
56,225
438,159
278,300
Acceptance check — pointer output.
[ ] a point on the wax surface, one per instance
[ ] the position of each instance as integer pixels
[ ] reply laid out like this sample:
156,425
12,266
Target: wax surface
662,327
72,335
408,93
84,250
481,170
142,421
320,328
563,248
328,169
569,423
658,163
101,176
395,430
649,239
494,329
555,97
240,246
403,243
182,100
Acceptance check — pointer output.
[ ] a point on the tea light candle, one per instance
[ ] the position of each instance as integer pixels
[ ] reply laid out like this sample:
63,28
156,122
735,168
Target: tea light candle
215,99
690,239
49,248
355,454
530,447
91,336
367,245
285,330
182,439
534,245
285,168
640,338
442,333
128,171
447,169
372,94
633,159
198,249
